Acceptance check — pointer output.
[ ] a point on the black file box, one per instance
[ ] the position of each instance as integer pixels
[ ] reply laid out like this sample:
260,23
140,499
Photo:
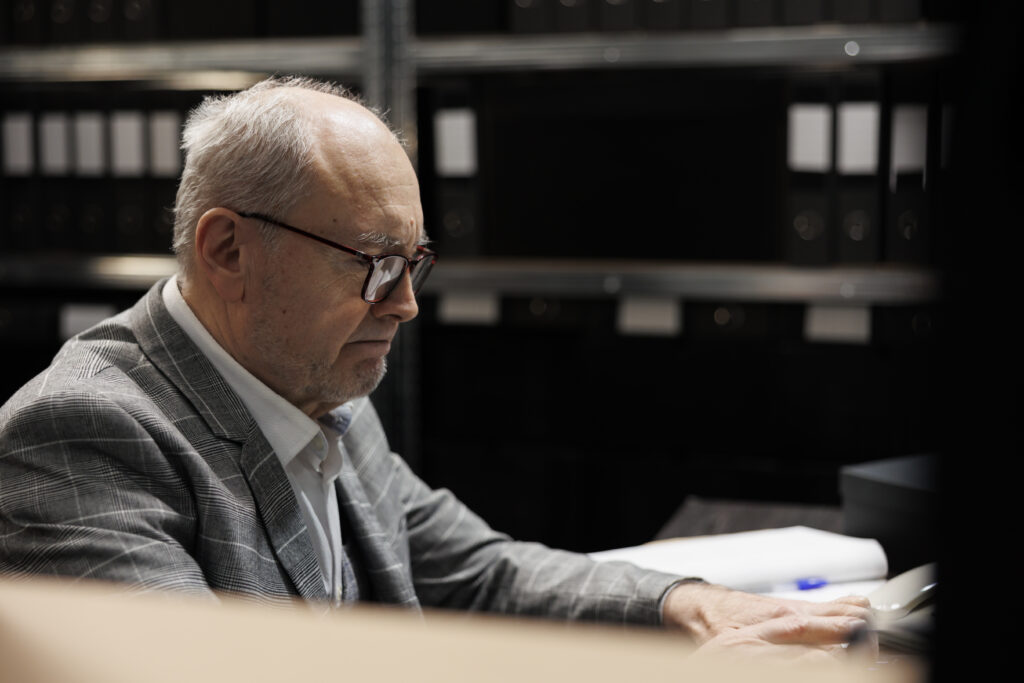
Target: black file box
894,501
662,15
132,215
708,14
574,15
201,19
566,171
913,136
94,216
313,17
855,11
26,21
65,21
22,215
100,21
450,196
447,17
531,16
858,179
800,12
893,11
617,15
808,232
57,215
756,12
144,20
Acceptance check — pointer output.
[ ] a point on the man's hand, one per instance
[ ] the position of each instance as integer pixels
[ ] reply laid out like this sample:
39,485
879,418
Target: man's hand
718,618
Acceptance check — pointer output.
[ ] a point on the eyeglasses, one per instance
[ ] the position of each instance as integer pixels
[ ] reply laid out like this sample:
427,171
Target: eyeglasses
386,270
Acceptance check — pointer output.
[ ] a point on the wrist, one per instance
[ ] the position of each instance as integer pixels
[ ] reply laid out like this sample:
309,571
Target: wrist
684,608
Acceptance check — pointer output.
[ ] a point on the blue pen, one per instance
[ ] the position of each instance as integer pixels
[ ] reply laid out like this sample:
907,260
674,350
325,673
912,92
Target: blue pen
810,583
806,583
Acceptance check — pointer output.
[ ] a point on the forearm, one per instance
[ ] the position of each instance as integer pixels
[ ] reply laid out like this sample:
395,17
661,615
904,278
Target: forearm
460,562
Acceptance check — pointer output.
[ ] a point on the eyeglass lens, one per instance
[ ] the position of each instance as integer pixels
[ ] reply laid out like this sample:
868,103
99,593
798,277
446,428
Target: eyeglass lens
389,270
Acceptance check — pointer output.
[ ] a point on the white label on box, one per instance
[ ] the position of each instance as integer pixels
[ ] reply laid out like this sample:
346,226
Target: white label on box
837,324
469,308
649,315
90,143
54,143
18,147
127,135
164,156
455,139
810,138
909,138
857,139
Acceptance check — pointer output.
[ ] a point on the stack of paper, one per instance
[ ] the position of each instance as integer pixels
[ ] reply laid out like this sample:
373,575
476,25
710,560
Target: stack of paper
777,561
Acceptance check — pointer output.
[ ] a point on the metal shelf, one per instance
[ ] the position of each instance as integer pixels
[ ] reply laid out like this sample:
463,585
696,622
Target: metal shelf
127,272
826,45
819,46
236,63
185,61
727,281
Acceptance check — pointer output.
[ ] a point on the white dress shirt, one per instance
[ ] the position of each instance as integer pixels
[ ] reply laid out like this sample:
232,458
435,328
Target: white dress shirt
310,452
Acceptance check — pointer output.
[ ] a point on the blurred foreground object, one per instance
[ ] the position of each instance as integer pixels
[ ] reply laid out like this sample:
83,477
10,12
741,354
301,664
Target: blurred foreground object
57,631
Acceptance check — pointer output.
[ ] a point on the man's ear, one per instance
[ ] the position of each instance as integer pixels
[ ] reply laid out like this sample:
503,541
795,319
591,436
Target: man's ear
221,252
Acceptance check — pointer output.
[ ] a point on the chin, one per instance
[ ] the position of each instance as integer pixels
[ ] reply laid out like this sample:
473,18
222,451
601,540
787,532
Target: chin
359,381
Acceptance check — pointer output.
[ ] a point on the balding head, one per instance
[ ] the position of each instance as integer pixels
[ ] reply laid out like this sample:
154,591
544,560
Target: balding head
264,149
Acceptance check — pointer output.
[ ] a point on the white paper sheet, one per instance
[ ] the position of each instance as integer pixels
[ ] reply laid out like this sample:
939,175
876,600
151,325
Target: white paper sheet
764,561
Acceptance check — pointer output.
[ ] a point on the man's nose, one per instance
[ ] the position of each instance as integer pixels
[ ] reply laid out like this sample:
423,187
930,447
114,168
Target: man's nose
401,302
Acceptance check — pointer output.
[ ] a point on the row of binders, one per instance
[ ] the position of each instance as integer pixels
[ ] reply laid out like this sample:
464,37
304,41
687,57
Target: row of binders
543,16
34,22
850,170
816,169
45,22
89,180
864,173
626,15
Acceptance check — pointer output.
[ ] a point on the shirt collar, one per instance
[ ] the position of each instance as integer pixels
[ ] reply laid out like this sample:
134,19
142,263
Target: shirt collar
288,430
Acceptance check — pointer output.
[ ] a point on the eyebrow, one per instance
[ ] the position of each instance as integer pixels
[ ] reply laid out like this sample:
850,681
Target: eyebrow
386,241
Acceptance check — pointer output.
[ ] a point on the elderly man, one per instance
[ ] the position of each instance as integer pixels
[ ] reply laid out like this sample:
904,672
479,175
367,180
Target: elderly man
217,435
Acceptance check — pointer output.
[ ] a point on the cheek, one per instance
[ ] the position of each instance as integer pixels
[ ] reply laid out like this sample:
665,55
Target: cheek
331,328
319,313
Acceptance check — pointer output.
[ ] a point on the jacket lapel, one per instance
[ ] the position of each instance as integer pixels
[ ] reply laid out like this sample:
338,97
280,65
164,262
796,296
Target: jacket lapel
281,515
388,575
171,350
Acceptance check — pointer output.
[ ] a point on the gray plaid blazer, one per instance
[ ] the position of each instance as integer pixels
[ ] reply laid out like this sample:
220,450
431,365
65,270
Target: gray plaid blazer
130,459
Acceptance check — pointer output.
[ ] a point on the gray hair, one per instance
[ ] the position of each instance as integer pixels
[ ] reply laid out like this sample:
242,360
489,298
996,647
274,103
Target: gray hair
250,151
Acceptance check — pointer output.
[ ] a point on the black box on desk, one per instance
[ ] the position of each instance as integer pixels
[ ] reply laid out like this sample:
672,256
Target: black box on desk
894,501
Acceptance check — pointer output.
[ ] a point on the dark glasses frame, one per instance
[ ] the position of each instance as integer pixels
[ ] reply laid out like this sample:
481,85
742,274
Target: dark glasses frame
414,266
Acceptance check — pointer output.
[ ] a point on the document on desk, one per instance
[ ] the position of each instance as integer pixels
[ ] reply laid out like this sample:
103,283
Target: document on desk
793,561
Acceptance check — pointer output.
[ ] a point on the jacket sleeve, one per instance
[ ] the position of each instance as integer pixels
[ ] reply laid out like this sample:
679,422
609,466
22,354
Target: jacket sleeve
457,561
87,493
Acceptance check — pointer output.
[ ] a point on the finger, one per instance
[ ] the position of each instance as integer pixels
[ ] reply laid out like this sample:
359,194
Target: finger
809,629
842,608
856,600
